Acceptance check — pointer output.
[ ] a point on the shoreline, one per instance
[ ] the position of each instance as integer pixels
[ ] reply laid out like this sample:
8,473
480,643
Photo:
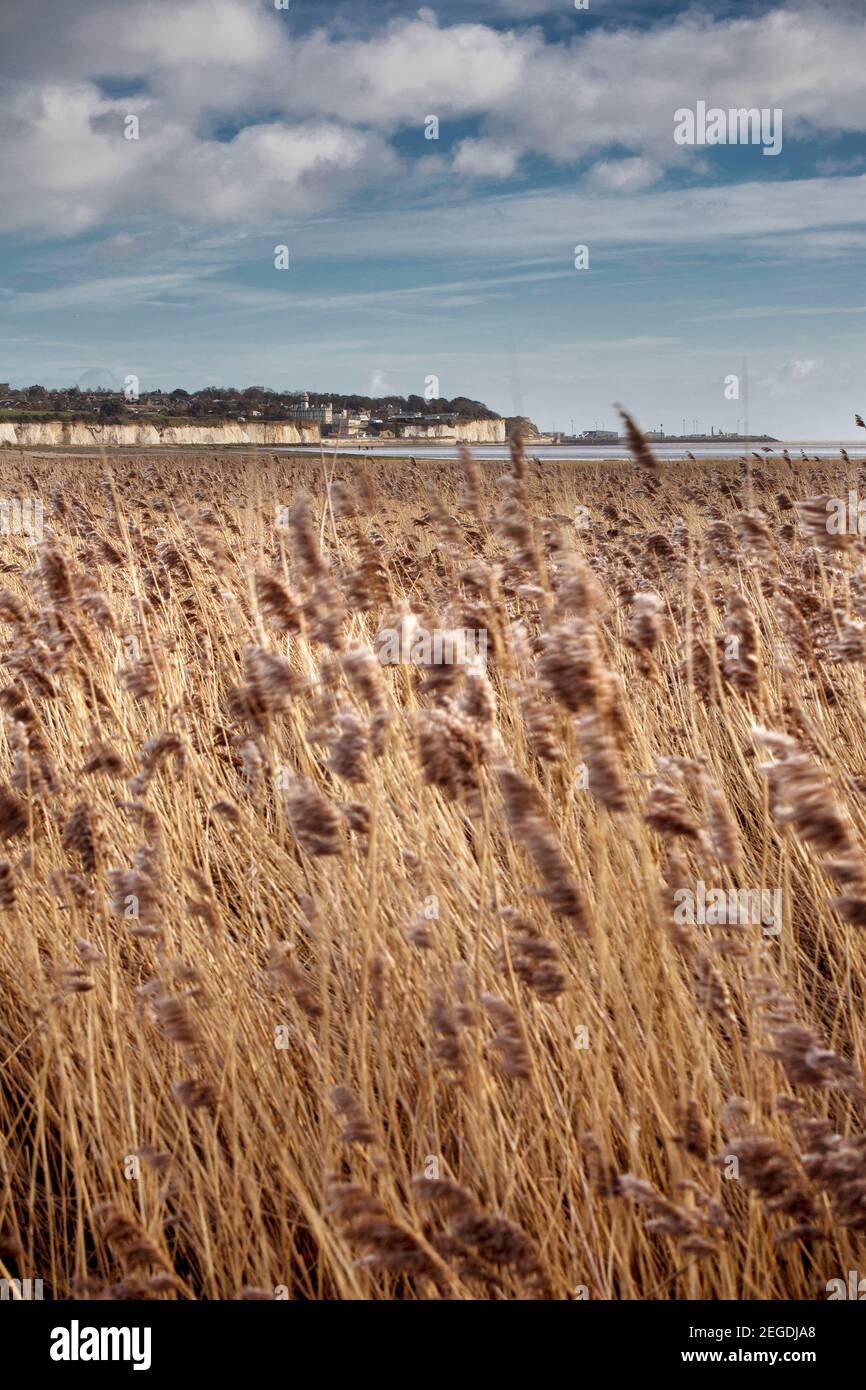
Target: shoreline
484,455
826,451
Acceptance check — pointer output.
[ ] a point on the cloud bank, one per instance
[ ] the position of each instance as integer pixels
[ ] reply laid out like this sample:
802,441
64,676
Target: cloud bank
240,118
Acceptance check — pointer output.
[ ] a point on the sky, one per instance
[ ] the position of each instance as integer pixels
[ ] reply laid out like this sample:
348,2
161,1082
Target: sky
305,125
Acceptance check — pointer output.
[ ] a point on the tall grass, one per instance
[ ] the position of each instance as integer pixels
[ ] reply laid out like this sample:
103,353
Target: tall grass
326,979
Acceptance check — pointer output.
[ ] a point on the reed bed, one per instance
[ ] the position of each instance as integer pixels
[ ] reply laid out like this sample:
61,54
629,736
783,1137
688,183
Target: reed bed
329,978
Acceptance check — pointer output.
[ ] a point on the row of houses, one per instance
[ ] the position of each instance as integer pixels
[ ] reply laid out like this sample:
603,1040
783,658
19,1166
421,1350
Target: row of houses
345,423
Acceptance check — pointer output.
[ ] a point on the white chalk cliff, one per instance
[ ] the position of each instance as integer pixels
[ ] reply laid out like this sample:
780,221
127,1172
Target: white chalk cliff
63,434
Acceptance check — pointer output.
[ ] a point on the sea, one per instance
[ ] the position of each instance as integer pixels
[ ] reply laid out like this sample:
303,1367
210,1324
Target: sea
824,449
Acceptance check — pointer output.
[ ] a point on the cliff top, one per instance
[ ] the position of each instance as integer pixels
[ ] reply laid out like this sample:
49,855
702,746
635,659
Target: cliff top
214,405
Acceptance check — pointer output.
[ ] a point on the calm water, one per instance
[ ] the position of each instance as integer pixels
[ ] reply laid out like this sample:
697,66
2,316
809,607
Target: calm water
586,452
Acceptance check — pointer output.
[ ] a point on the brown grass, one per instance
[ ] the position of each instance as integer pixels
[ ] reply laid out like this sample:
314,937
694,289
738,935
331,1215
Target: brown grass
332,980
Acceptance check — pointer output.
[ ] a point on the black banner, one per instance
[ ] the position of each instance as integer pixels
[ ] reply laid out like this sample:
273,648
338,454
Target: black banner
158,1338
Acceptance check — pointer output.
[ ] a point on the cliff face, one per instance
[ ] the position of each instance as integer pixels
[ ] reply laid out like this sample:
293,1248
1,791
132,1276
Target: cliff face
527,427
61,434
466,431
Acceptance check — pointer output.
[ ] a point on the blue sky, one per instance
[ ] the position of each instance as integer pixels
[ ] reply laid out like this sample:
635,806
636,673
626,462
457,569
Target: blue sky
454,257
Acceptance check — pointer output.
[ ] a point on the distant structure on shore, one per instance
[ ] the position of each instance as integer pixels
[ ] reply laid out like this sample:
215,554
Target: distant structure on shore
657,436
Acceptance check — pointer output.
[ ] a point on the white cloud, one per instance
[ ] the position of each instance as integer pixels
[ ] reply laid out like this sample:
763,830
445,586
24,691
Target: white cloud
801,367
786,379
408,70
625,175
69,168
61,169
603,87
271,169
315,114
379,384
93,37
484,159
